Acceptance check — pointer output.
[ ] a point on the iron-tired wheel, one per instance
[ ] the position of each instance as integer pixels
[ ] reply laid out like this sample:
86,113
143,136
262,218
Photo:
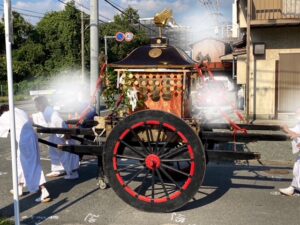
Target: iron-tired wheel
143,158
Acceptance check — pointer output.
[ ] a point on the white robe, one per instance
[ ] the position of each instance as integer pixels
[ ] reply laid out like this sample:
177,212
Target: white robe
28,156
56,166
296,169
60,160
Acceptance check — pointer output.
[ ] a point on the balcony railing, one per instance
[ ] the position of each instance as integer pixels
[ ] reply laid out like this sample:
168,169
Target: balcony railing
275,10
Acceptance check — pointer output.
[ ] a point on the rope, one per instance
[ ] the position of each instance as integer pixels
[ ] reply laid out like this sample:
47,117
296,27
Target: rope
233,125
236,129
90,106
97,136
197,67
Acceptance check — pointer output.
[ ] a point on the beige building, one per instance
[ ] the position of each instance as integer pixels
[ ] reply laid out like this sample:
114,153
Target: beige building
213,49
274,65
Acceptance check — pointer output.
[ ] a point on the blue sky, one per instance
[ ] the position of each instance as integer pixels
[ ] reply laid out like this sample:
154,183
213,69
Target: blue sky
186,12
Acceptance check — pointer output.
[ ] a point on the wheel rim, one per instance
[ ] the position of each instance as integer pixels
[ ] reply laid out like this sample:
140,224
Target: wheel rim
147,158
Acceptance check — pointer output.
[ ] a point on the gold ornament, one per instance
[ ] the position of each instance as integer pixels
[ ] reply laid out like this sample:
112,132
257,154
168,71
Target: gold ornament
155,52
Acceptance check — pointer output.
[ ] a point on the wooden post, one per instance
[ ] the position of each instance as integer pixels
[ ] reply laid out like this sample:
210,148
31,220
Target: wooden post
248,59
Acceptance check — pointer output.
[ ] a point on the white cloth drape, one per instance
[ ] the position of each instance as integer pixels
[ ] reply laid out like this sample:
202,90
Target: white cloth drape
296,174
59,160
28,155
296,169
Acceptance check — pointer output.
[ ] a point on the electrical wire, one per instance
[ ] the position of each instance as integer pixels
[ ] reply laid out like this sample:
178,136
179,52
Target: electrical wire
123,12
26,10
25,14
102,21
83,6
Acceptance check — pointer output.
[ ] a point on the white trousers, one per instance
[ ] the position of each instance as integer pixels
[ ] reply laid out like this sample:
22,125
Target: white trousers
296,174
29,165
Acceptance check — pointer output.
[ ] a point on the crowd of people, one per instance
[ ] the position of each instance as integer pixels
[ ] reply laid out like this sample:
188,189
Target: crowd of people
30,173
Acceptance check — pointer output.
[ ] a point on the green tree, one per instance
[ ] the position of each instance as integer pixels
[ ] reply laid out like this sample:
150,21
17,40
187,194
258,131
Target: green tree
59,33
2,39
22,30
127,22
28,61
3,76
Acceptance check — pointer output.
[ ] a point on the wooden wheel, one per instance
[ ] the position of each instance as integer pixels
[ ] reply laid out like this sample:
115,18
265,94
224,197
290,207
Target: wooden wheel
143,156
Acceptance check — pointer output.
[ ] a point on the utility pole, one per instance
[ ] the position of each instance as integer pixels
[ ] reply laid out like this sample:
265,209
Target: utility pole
10,83
82,48
105,46
94,39
248,60
213,6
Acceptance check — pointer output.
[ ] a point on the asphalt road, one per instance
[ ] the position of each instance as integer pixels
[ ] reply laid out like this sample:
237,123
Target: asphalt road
231,194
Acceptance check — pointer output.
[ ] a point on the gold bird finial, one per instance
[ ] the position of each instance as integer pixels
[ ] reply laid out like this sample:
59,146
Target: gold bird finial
161,19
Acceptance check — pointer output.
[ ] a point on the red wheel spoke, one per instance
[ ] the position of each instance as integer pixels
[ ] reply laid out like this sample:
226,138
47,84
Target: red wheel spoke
169,177
140,141
174,151
141,186
135,175
132,149
162,183
172,168
130,157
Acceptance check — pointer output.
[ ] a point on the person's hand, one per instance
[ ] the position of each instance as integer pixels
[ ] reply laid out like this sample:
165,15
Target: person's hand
294,135
284,126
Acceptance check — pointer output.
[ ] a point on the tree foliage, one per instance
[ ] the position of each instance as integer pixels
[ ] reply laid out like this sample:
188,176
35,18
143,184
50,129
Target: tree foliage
54,43
127,22
59,33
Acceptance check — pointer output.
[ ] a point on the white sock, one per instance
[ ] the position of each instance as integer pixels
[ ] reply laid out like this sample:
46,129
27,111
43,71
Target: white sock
45,193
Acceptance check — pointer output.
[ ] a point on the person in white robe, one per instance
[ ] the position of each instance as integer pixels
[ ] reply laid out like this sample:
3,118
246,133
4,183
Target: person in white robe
30,172
294,134
59,159
56,167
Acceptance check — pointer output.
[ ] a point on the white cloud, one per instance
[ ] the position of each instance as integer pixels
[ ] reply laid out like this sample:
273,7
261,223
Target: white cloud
185,12
149,8
40,7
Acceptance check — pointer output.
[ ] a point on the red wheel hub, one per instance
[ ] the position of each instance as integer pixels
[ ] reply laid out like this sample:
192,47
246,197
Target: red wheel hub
152,162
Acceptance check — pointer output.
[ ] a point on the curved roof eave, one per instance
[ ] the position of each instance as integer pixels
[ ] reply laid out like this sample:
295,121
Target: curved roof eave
168,57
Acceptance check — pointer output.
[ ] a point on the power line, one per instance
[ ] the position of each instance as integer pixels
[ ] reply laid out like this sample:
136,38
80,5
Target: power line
102,21
119,6
83,6
27,10
123,12
30,15
114,6
25,14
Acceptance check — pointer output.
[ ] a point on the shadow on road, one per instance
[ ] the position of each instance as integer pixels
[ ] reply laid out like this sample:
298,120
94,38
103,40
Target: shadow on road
56,187
218,180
